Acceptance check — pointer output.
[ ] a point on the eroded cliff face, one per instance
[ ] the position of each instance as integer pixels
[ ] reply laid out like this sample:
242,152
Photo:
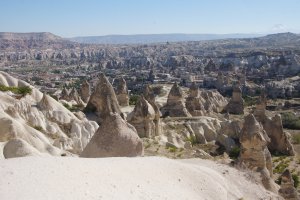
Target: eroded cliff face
254,152
40,123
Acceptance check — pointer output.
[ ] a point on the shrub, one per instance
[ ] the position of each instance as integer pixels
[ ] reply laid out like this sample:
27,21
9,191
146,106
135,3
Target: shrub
249,101
235,152
39,128
172,149
67,106
290,120
296,139
23,90
192,139
133,99
296,180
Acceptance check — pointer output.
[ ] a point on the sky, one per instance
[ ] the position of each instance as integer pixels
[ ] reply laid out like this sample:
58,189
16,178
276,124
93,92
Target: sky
70,18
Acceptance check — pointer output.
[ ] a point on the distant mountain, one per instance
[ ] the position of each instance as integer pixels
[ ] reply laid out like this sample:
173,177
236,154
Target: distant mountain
155,38
42,36
277,40
36,40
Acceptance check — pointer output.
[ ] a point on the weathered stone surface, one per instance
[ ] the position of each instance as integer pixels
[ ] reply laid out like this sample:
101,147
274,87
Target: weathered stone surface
150,97
193,102
122,92
142,118
175,106
103,101
19,148
85,91
44,104
260,109
254,152
280,140
75,96
236,103
114,138
213,101
64,94
287,189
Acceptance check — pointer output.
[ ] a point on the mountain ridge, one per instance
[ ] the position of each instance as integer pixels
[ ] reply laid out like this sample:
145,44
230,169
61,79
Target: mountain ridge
155,38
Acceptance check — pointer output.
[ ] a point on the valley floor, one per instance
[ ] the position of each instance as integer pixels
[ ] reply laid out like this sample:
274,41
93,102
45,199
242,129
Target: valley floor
124,178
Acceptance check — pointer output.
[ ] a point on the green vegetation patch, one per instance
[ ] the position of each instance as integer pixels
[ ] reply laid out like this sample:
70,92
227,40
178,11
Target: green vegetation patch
23,90
249,101
192,139
133,99
290,120
235,152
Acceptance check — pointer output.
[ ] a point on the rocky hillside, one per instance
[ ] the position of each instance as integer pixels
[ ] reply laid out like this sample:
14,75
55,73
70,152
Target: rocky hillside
33,123
20,41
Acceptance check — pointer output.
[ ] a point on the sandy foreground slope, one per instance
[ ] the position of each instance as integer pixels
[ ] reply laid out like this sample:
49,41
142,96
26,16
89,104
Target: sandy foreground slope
30,178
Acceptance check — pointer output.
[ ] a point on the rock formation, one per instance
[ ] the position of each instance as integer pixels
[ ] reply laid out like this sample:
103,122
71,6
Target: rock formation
103,101
193,102
85,91
260,109
64,94
287,189
213,101
150,97
114,138
40,121
236,103
18,148
254,152
280,140
44,104
142,118
75,96
175,106
122,92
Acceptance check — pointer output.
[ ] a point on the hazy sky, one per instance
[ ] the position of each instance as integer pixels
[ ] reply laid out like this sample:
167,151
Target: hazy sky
69,18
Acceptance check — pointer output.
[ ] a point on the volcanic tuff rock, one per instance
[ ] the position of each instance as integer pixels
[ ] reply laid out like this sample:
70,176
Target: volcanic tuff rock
150,97
122,92
254,152
64,94
212,101
75,96
193,102
236,103
103,101
287,189
279,139
19,148
175,106
142,118
114,138
85,91
39,120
